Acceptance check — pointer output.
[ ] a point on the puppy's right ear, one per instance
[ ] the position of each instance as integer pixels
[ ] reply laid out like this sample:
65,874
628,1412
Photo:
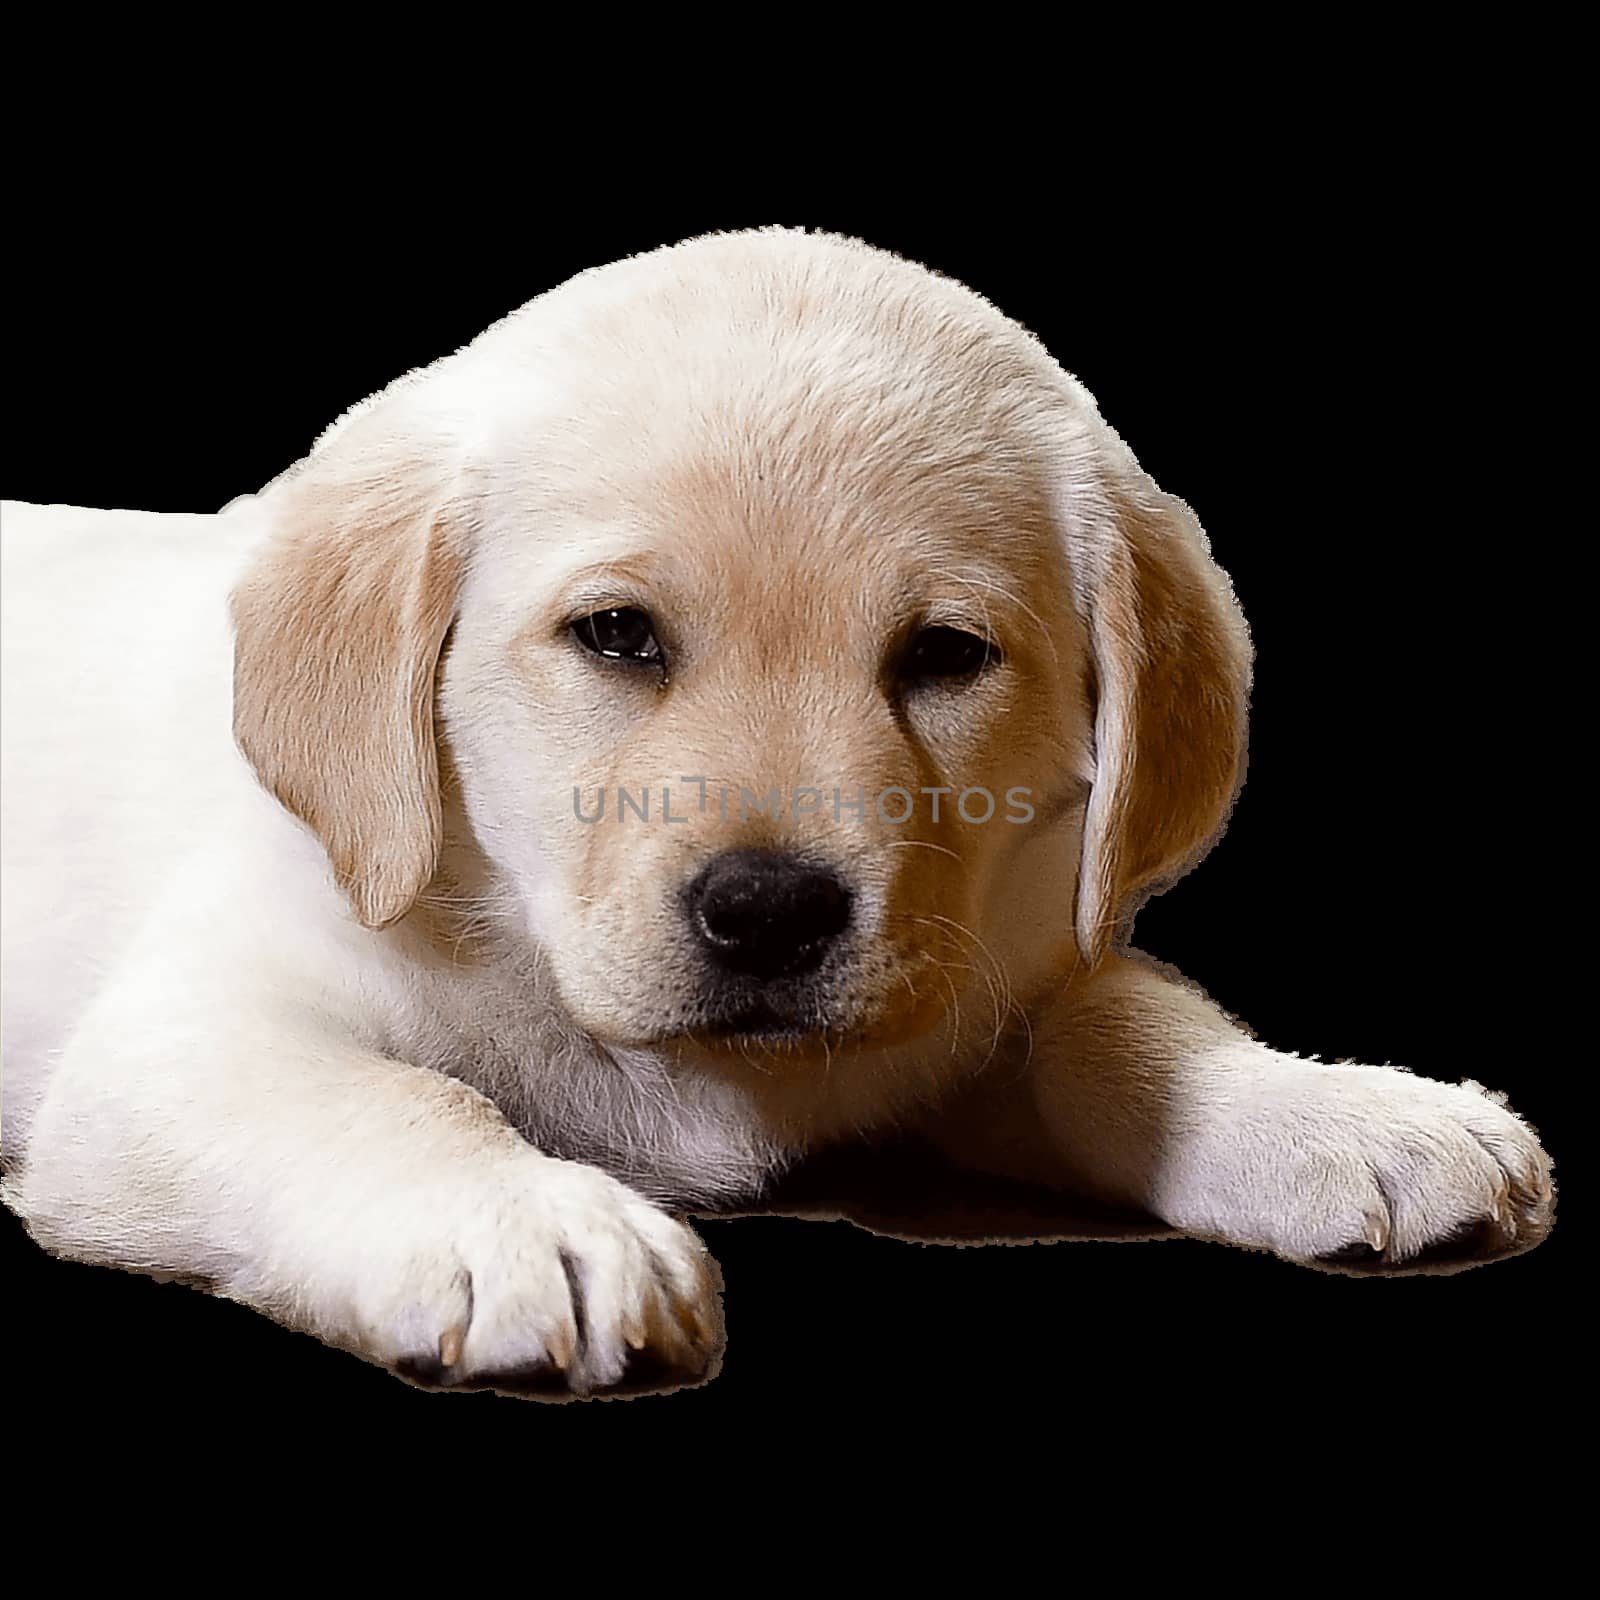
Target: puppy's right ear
1172,673
338,628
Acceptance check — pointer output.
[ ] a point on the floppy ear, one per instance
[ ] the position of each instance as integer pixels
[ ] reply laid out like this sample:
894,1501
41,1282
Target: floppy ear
338,628
1172,667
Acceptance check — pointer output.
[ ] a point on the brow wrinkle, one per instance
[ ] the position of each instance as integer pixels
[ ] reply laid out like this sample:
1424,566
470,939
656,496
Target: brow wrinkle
983,585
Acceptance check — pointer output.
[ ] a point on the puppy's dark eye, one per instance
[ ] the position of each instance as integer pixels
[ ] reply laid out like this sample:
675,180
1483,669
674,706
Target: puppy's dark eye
621,635
940,652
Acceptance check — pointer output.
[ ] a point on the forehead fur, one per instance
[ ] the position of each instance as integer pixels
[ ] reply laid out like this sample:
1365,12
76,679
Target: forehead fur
756,373
789,397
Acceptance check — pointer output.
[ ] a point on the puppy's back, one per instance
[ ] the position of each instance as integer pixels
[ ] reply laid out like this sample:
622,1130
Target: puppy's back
115,743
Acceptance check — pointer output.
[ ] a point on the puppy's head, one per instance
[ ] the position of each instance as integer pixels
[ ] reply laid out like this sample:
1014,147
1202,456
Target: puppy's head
774,634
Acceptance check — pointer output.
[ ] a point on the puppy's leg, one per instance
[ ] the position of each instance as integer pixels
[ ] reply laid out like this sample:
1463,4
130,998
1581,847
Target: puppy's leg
1142,1092
389,1210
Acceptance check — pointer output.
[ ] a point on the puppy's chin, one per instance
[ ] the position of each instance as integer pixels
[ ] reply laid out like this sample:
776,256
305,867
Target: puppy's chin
793,1023
762,1031
733,1030
765,1031
760,1020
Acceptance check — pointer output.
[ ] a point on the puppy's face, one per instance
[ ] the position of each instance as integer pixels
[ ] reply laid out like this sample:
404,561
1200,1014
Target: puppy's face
761,709
820,669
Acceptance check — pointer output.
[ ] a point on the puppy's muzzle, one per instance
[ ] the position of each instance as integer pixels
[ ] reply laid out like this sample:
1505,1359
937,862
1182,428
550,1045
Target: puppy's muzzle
766,915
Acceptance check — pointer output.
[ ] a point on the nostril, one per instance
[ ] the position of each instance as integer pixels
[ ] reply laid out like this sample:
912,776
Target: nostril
817,911
768,914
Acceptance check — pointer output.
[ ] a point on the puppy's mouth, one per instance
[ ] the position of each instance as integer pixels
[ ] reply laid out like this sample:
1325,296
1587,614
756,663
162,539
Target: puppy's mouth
795,1017
762,1019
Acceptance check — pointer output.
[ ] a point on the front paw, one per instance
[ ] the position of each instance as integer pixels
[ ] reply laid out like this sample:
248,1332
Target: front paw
546,1277
1333,1160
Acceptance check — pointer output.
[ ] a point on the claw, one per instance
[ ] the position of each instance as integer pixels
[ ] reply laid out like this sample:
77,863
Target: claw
651,1320
450,1344
1377,1233
690,1321
669,1328
560,1348
1534,1191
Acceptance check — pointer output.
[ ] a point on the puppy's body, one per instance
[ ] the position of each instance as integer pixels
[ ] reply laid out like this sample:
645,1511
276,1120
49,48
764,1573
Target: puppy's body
124,768
319,991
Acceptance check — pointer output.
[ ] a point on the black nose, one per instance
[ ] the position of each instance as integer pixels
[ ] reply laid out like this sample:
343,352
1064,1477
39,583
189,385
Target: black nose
766,914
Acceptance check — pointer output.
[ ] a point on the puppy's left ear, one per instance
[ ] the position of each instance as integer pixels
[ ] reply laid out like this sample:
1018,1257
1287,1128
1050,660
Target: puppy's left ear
1172,672
338,629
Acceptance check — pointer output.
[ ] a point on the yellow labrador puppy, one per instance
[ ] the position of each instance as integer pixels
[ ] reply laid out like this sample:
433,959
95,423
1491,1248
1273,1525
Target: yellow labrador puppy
733,704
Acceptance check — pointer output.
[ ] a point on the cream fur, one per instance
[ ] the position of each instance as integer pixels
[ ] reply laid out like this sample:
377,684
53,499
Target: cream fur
317,993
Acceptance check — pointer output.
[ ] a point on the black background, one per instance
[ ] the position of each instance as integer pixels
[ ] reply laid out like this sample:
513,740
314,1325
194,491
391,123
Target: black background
1326,344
